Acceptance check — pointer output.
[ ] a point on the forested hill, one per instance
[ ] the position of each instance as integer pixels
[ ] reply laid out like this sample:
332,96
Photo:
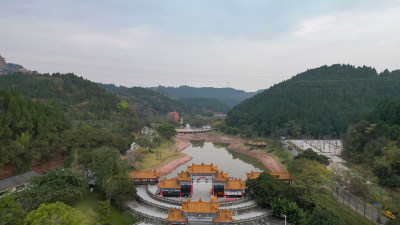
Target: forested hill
83,101
210,104
318,102
375,142
147,102
229,96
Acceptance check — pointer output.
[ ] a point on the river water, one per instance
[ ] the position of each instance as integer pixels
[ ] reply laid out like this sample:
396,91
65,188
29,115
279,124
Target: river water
233,163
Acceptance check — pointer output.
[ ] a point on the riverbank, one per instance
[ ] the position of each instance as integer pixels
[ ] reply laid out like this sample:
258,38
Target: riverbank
234,144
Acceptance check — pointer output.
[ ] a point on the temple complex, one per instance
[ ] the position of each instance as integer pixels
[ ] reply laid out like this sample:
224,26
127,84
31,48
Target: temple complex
208,212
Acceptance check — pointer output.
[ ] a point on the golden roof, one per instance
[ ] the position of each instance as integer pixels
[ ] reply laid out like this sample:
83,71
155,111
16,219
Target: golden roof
253,175
221,176
202,168
235,185
200,207
123,157
224,216
183,176
282,176
175,215
144,175
169,183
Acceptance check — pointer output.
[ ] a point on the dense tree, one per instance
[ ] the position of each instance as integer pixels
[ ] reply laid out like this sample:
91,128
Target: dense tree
229,96
29,131
211,104
52,186
265,188
54,213
283,207
147,102
310,177
321,216
375,141
11,212
321,102
166,130
104,211
311,155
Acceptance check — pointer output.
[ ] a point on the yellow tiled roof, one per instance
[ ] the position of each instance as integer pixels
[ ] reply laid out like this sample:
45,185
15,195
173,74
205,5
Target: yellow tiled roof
183,176
200,207
144,175
221,176
253,175
175,215
235,185
224,216
282,176
169,183
202,168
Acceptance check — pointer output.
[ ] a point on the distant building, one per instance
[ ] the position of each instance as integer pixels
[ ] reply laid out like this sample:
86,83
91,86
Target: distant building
219,116
174,116
16,183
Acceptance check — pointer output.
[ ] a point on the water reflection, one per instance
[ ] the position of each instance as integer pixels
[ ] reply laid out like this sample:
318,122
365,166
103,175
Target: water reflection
234,163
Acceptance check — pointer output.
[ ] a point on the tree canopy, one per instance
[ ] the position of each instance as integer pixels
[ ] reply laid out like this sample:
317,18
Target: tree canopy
321,101
54,213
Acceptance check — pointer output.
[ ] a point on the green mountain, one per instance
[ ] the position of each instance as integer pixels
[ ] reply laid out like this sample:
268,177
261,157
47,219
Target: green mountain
210,104
147,102
375,142
83,101
319,102
29,130
229,96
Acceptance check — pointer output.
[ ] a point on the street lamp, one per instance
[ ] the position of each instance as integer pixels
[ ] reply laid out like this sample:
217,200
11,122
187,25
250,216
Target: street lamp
285,217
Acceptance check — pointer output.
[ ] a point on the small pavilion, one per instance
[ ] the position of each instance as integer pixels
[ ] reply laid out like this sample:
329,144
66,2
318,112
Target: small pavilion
285,177
185,181
145,177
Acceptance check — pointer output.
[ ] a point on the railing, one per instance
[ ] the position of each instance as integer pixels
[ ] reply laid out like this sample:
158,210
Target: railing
261,219
148,218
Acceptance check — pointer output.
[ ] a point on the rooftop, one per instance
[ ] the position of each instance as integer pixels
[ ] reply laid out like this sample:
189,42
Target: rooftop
169,184
203,169
144,175
183,176
224,216
221,176
282,176
200,207
175,215
16,180
253,175
235,185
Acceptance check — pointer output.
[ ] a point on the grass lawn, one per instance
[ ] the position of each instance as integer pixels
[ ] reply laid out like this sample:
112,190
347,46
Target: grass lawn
149,161
349,216
87,207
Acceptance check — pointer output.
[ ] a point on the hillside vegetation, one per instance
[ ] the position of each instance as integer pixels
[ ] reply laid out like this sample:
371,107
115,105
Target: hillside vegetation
229,96
83,101
211,104
147,102
375,142
319,102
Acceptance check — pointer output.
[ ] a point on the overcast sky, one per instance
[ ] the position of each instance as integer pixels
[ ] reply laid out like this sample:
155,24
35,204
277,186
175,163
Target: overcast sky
244,44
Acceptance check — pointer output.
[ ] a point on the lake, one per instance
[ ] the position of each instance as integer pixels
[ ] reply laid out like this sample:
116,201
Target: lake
233,163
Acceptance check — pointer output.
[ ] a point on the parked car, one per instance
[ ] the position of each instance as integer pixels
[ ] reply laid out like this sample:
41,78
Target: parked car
158,192
389,215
